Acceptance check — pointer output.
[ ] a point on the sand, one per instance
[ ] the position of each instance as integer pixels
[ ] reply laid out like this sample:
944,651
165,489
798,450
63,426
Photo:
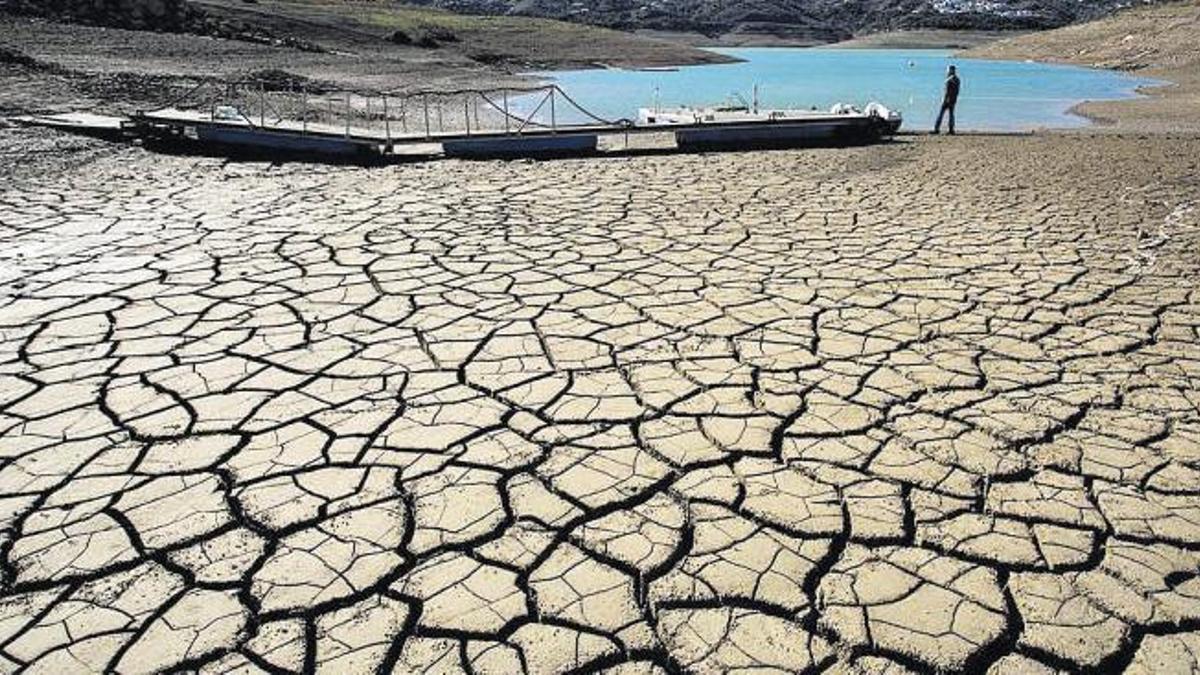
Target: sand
926,406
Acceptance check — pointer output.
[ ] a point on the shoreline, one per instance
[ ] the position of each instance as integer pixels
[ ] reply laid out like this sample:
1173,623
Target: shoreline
1154,42
1078,109
1109,122
89,59
900,39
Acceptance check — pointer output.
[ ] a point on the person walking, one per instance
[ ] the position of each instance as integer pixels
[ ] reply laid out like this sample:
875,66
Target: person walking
949,100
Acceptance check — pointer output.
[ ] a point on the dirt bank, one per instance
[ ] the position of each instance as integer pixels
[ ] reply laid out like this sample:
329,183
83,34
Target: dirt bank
49,65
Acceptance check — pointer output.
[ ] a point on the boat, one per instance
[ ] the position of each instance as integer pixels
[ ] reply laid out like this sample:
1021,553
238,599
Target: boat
736,123
106,127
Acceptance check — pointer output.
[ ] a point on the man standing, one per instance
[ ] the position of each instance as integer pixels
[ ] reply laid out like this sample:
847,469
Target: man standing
949,100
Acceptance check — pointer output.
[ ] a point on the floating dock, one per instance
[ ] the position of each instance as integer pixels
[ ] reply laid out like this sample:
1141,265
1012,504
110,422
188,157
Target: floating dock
369,130
205,132
495,146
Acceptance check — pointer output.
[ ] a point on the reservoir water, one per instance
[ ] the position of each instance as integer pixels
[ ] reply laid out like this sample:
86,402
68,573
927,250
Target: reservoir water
996,96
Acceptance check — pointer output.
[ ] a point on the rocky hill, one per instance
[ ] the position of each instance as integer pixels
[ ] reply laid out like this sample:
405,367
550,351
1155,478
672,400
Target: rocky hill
796,20
164,16
169,15
816,19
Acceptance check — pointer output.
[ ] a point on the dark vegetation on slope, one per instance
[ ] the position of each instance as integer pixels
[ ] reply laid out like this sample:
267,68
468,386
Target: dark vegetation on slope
817,19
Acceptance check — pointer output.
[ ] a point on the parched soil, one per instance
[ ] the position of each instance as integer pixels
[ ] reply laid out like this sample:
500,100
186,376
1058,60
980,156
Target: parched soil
933,405
925,406
80,67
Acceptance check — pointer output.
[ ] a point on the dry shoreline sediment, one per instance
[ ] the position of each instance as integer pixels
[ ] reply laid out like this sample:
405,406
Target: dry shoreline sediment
1170,107
1111,116
1115,119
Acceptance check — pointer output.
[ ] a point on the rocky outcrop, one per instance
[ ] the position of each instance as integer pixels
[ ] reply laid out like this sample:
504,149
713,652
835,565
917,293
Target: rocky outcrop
168,16
164,15
815,19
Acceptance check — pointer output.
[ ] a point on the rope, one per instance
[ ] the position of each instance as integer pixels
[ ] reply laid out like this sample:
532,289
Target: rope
588,113
524,122
179,99
405,96
623,122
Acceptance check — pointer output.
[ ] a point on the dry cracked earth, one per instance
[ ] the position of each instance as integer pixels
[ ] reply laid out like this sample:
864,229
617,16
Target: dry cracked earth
931,406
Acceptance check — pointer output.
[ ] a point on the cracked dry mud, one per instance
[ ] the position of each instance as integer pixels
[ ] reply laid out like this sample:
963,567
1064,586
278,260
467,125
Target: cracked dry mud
926,406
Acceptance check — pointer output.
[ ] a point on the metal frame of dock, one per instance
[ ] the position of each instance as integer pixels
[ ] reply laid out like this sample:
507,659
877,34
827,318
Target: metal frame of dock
298,122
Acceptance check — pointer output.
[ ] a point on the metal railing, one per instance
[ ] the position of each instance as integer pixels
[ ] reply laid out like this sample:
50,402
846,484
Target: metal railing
390,116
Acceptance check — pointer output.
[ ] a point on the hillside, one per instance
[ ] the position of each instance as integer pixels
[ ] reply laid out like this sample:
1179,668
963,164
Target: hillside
811,20
1146,38
59,55
374,33
1158,42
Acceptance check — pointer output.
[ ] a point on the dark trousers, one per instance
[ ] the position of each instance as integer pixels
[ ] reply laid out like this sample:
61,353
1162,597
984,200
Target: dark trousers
947,107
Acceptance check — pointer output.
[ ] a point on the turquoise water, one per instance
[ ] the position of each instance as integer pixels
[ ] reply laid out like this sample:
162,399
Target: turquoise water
996,95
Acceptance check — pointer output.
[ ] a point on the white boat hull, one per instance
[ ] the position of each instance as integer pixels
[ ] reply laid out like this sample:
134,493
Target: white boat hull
743,127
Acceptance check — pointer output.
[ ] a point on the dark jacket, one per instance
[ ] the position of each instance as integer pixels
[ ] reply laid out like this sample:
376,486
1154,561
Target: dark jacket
952,87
